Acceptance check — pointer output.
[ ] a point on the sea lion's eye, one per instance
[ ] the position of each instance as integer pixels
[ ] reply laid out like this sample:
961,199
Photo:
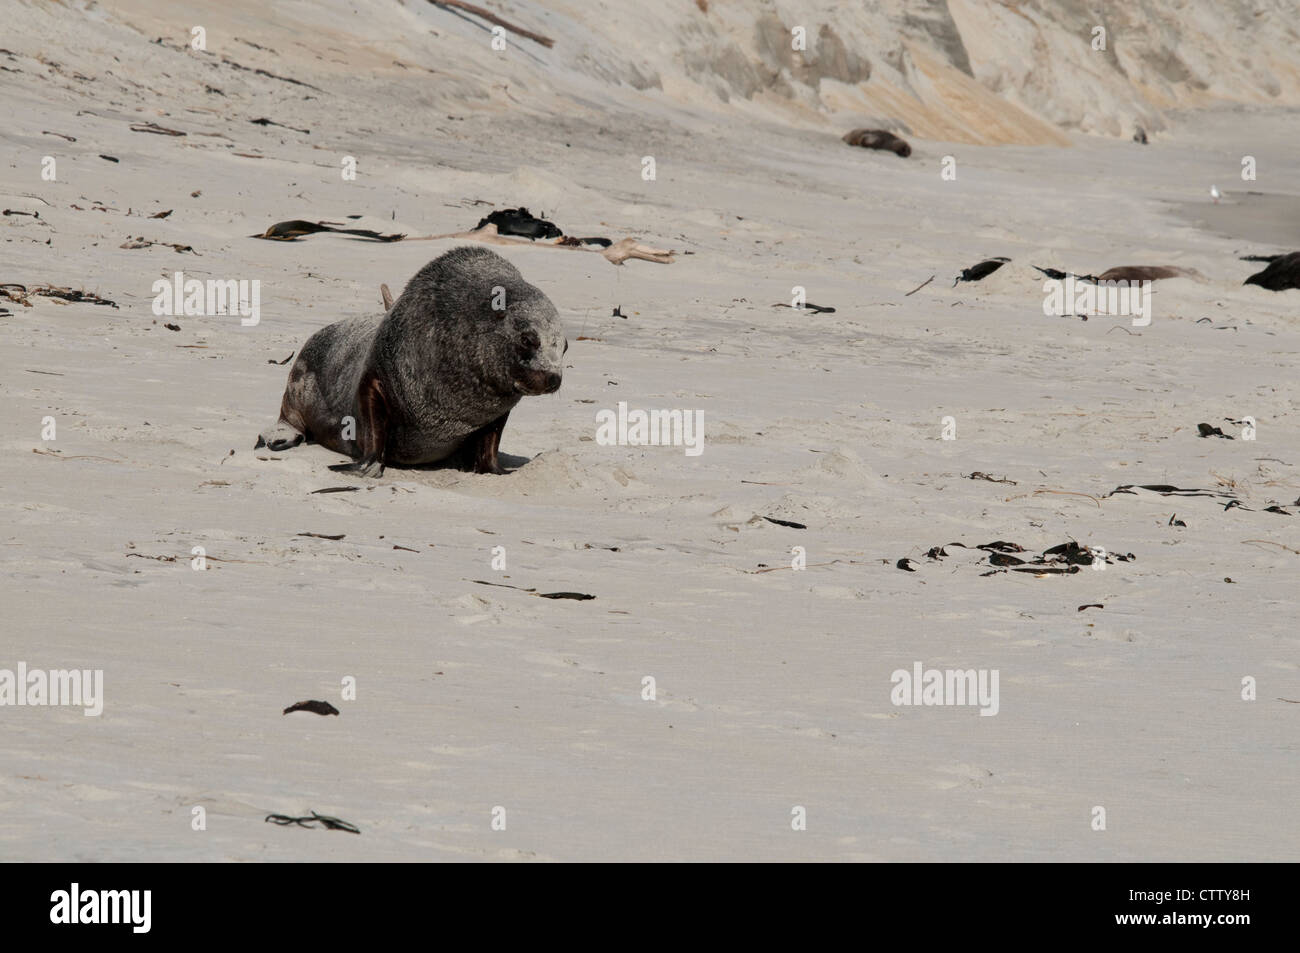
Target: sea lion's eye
530,341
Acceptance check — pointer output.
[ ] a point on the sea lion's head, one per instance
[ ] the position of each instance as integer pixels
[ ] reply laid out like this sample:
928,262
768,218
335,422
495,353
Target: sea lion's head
492,328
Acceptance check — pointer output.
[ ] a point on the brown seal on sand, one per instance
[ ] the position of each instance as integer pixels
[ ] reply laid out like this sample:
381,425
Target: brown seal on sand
878,139
1146,273
433,379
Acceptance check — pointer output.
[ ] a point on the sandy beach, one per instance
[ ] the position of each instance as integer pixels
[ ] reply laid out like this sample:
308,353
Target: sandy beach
1120,687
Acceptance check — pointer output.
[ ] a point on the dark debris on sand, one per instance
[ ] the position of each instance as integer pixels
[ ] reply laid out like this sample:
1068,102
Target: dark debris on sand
315,707
981,270
310,820
524,224
295,229
1063,559
1283,272
21,293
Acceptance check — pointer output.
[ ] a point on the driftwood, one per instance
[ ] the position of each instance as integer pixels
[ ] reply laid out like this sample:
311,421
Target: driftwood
616,253
919,287
620,252
493,18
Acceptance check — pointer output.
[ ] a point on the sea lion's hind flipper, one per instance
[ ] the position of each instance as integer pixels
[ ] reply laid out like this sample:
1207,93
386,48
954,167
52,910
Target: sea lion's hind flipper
283,436
372,441
365,468
479,451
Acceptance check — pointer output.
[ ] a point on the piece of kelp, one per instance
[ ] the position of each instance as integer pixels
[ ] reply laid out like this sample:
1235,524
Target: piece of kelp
271,122
1057,275
1064,558
309,821
1205,430
315,707
789,523
579,596
297,228
1001,546
571,240
807,306
980,271
1164,489
521,222
20,293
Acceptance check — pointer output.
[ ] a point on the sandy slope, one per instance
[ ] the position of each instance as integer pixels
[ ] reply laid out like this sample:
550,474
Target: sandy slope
773,688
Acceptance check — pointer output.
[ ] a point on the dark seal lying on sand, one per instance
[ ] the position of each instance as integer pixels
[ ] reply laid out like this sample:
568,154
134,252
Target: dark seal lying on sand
1146,273
1283,272
433,379
878,139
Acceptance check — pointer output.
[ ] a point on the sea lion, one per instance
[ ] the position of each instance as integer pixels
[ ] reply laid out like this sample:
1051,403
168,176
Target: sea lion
981,270
1145,273
1283,272
878,139
433,379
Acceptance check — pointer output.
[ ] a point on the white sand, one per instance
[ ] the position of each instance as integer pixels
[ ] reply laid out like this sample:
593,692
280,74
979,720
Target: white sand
773,689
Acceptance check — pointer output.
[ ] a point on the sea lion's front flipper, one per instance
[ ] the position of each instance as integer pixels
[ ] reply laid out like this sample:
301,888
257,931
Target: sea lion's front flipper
372,441
479,451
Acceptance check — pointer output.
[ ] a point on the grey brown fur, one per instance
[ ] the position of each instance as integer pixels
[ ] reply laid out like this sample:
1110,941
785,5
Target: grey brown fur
1145,273
435,378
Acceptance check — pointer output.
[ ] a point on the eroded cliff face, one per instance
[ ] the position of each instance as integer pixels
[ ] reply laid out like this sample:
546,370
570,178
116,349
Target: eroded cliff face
967,70
979,71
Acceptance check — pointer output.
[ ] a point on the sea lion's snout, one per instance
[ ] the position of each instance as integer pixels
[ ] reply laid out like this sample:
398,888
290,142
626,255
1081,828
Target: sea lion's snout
537,346
535,382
